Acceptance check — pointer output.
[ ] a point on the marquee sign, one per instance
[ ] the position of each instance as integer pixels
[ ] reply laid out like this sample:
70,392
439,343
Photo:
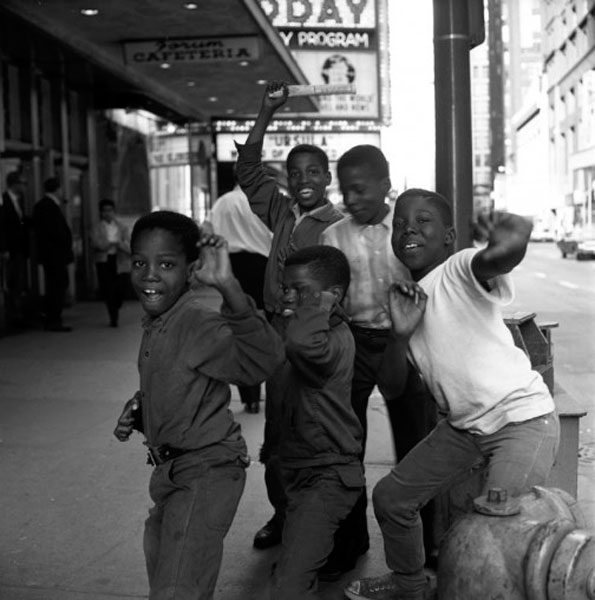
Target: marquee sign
334,42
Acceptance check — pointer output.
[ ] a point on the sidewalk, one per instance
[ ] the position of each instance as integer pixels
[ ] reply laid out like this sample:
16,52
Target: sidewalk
74,499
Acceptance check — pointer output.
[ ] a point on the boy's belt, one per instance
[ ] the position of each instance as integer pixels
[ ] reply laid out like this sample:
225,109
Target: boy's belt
161,454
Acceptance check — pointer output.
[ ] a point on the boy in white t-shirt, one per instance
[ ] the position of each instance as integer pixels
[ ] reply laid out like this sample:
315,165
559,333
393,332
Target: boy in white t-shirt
448,322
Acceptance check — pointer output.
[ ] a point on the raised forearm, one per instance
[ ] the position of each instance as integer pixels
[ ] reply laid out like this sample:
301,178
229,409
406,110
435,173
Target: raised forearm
233,295
259,128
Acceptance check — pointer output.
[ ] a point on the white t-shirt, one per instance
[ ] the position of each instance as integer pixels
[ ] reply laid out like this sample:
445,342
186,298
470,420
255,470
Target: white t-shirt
467,355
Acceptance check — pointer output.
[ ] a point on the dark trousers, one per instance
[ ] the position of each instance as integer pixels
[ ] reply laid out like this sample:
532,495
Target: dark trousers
248,267
411,415
16,283
318,499
112,286
56,284
195,503
269,453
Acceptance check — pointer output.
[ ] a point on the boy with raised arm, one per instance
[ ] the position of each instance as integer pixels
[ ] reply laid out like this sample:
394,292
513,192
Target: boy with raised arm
296,221
189,355
448,321
320,434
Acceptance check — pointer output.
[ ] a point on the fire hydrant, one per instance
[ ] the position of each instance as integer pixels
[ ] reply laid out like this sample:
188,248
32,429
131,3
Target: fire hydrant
532,547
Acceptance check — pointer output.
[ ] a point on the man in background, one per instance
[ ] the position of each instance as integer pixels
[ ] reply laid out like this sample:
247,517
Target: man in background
54,251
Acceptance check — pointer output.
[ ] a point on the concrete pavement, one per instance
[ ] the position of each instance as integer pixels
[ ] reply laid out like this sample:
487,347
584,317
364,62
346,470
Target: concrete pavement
73,499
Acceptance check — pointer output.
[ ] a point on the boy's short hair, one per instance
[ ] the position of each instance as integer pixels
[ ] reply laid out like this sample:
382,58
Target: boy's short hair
51,185
327,264
443,205
181,227
107,202
308,149
365,155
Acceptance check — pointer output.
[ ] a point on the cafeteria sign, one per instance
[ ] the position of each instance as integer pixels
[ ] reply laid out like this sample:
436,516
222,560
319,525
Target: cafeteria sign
192,50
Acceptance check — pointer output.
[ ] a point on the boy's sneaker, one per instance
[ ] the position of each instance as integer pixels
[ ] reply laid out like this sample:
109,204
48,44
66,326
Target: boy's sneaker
385,587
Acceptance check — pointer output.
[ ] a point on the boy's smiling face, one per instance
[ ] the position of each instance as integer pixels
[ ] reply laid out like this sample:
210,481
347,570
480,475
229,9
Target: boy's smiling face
307,180
421,238
160,270
364,194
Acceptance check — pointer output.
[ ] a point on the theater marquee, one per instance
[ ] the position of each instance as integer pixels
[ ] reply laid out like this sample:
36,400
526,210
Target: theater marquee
334,41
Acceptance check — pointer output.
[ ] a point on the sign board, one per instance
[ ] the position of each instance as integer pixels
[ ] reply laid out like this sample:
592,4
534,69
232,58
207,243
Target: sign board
277,145
358,14
333,41
192,50
178,150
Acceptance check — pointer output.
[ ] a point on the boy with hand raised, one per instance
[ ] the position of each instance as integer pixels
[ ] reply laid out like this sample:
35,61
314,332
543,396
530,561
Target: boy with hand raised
448,321
189,355
296,221
320,433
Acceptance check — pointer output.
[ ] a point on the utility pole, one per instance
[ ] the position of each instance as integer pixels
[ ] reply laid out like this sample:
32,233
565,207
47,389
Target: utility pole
458,26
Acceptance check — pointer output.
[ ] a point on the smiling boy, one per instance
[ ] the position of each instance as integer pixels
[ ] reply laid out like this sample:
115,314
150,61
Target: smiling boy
188,356
448,321
296,221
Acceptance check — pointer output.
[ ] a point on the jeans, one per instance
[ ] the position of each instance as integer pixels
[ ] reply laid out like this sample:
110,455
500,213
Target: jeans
318,499
411,416
518,456
195,503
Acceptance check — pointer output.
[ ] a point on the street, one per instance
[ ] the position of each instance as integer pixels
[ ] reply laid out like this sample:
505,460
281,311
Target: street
563,290
75,499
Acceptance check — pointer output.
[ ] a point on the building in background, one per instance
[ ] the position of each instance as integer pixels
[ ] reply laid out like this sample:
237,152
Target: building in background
569,84
550,65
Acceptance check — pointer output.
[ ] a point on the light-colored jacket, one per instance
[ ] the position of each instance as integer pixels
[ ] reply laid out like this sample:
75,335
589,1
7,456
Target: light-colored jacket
100,245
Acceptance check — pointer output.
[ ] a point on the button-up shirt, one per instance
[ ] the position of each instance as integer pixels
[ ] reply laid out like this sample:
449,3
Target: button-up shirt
374,268
187,359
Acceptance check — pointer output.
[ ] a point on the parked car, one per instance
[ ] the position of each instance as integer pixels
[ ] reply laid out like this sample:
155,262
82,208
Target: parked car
580,244
542,232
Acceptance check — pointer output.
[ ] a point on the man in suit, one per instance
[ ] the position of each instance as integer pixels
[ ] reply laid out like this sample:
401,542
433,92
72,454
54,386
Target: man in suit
54,251
14,245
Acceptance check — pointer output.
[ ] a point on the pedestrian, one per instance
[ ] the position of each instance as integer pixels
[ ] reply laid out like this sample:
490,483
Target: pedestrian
110,242
320,434
53,239
296,221
498,410
249,242
14,246
364,236
188,357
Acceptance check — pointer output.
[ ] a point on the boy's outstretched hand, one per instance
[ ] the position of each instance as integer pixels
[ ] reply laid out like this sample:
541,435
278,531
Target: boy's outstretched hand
406,303
507,236
213,266
128,419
